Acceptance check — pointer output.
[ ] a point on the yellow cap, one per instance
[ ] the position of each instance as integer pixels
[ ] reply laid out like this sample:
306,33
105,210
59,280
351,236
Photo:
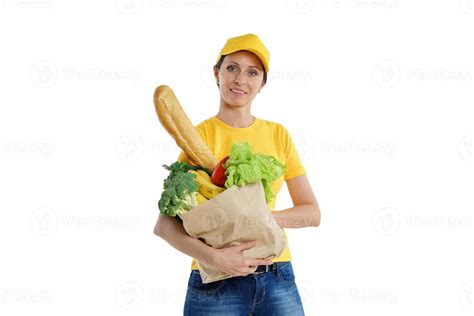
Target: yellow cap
249,42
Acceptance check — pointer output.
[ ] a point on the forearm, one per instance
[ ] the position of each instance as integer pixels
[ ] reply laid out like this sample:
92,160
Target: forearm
305,215
174,233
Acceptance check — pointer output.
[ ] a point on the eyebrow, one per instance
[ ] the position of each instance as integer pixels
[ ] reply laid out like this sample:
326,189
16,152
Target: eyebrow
257,67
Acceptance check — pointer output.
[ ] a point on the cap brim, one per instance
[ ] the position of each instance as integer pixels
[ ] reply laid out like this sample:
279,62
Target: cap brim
256,52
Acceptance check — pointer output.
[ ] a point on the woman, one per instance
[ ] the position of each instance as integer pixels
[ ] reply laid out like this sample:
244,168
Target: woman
258,287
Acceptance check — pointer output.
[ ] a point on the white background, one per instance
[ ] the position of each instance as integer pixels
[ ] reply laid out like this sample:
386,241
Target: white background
375,94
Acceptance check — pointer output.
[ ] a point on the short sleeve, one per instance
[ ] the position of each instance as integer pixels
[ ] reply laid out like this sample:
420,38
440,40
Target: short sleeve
293,162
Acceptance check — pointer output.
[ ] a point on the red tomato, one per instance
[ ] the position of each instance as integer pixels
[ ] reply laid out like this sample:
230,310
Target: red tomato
218,176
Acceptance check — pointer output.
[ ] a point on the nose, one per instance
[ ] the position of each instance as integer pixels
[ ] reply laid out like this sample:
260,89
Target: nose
239,79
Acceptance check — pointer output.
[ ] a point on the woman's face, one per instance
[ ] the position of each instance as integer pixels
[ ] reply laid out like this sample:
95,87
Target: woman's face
240,78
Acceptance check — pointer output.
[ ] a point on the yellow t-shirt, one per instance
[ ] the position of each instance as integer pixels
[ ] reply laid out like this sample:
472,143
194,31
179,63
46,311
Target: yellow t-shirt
264,137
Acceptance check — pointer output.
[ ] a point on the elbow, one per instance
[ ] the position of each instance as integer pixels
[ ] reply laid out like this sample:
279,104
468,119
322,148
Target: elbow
164,226
317,217
317,222
159,230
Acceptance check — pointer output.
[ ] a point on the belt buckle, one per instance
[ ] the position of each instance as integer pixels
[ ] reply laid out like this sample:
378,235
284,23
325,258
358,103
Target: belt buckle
267,268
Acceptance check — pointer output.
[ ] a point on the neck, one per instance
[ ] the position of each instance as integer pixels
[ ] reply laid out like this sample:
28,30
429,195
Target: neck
235,116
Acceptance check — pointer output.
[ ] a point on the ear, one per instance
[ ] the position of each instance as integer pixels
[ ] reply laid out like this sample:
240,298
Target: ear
216,76
263,85
216,72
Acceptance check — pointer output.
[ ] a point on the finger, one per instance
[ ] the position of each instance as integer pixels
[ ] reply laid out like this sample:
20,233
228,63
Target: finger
247,245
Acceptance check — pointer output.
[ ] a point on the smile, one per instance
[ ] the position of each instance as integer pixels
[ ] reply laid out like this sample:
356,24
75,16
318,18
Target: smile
239,92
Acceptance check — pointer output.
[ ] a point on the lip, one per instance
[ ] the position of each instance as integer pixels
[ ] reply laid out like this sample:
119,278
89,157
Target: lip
237,91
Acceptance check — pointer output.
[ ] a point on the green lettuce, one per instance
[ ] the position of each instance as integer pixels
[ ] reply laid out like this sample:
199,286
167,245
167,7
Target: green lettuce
244,167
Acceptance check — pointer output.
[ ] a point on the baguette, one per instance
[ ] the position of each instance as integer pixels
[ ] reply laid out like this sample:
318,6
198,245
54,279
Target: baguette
176,122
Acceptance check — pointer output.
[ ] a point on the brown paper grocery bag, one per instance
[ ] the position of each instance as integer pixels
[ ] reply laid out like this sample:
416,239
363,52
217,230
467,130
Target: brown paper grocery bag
236,215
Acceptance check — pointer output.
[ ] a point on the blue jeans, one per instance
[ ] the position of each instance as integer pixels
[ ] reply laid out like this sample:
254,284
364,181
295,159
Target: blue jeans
269,293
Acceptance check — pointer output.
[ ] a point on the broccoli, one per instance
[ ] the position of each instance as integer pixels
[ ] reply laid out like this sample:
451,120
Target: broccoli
179,190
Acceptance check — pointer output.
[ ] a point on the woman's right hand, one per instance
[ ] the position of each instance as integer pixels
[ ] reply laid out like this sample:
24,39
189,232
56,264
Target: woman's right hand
231,261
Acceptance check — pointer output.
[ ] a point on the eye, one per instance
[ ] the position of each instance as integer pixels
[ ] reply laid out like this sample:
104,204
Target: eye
253,73
231,68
